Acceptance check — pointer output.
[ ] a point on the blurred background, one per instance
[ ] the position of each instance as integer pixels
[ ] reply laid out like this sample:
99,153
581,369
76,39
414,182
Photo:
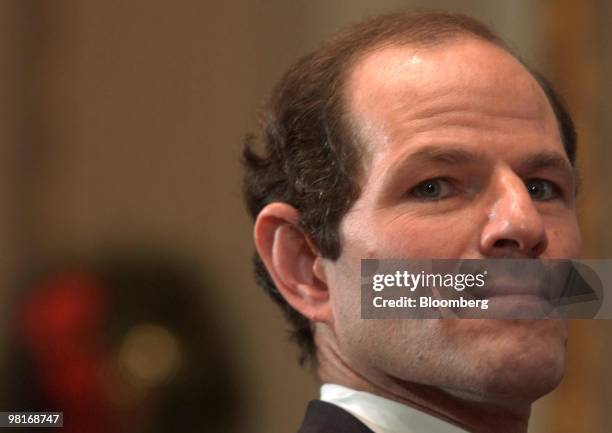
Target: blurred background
126,289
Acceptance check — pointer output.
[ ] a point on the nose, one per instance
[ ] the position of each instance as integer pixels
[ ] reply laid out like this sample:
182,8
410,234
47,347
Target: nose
514,227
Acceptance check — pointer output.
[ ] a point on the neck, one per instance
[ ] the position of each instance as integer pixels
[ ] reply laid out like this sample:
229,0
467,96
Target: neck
473,413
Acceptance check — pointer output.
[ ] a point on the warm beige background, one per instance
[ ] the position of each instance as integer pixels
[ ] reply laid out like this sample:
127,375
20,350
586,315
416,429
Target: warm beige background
121,121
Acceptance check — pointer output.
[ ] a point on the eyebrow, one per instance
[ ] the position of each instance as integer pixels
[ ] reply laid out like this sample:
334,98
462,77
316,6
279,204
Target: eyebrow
443,154
448,155
437,154
544,160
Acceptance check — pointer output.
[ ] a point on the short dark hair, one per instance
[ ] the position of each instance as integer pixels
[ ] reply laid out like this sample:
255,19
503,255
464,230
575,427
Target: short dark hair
311,158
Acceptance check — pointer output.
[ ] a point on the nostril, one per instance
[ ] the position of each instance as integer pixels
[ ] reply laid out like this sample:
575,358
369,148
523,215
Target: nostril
505,243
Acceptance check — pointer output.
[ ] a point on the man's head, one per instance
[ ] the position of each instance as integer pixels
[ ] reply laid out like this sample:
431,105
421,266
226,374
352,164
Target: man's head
414,136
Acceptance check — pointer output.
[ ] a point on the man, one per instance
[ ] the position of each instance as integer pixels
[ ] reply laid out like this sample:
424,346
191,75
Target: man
412,135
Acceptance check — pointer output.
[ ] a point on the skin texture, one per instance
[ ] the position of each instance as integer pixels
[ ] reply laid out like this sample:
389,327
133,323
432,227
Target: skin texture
467,117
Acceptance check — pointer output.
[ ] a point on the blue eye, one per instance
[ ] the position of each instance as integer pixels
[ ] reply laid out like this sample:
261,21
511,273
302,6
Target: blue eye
541,190
432,189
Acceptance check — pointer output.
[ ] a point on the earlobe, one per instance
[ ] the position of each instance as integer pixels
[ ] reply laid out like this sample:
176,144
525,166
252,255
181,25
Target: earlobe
292,261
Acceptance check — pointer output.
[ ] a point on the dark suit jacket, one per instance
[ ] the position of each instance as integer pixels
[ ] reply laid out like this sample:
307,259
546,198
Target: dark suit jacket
323,417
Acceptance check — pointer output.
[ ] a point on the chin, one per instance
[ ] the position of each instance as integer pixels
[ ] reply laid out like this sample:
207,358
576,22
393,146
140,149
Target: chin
525,362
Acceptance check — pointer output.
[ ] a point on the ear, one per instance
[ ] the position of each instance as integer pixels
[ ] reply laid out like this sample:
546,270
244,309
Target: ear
292,261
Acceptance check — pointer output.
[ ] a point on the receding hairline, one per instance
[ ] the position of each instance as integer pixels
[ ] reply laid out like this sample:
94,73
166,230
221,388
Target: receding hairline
349,119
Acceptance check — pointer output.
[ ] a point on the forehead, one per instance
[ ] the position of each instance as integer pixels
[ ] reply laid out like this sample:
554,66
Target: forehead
461,87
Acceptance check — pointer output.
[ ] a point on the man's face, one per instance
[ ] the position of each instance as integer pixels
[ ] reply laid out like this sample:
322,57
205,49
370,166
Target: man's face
463,160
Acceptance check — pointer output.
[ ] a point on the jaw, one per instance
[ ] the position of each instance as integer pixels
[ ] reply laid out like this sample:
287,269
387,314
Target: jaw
519,360
483,359
469,408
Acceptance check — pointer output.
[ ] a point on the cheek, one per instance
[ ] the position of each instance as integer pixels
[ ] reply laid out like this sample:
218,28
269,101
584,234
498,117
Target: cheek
564,240
404,237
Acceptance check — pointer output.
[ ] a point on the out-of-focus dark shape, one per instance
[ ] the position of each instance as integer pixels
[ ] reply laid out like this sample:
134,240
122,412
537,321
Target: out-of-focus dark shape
121,345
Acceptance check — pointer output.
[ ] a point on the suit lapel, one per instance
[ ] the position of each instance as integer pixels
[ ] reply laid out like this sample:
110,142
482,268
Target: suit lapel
323,417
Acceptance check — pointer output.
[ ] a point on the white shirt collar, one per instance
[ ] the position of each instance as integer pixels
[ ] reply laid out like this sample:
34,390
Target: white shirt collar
382,415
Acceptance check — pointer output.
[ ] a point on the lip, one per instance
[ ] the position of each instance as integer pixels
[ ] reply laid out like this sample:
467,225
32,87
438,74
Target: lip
520,306
541,278
509,307
511,288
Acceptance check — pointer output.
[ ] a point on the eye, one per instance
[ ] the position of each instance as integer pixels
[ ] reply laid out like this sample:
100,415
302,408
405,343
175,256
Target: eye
542,190
432,189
